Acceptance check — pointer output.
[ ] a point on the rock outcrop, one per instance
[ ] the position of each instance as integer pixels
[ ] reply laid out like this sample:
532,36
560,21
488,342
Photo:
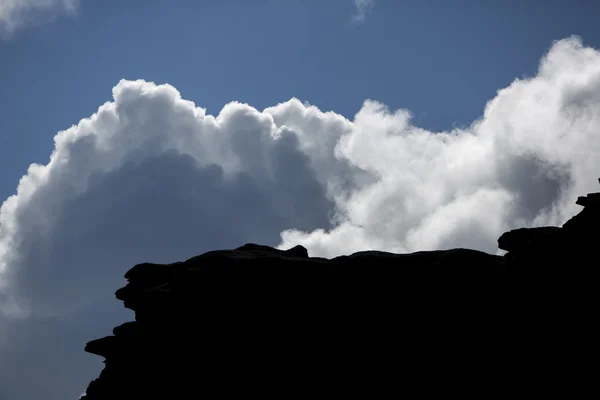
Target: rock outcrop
257,322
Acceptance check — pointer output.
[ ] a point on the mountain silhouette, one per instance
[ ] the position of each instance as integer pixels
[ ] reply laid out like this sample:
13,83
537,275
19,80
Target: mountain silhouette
258,322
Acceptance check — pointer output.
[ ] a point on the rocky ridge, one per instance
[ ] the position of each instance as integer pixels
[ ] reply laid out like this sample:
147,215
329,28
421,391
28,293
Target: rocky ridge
257,322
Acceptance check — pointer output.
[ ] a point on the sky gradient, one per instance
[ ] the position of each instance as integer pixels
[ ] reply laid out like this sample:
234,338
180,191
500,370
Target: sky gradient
133,133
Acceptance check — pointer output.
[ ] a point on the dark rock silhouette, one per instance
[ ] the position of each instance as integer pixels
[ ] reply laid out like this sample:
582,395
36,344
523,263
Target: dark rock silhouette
257,322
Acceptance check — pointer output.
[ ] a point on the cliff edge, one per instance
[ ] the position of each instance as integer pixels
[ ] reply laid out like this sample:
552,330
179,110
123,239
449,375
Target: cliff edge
257,322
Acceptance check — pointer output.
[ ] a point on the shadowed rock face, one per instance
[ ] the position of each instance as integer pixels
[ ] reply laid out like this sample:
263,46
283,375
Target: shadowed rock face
257,322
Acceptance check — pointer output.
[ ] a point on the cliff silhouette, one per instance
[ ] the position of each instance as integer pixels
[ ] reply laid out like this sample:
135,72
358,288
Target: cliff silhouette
257,322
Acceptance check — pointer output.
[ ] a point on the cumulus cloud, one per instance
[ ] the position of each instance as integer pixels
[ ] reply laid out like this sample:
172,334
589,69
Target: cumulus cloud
522,164
153,177
149,177
14,14
363,7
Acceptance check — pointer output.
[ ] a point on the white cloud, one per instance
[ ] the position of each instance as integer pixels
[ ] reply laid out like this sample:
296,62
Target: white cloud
524,163
152,177
149,177
14,14
363,7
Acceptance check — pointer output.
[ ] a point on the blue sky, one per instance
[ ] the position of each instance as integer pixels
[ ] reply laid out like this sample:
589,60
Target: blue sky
397,125
442,60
